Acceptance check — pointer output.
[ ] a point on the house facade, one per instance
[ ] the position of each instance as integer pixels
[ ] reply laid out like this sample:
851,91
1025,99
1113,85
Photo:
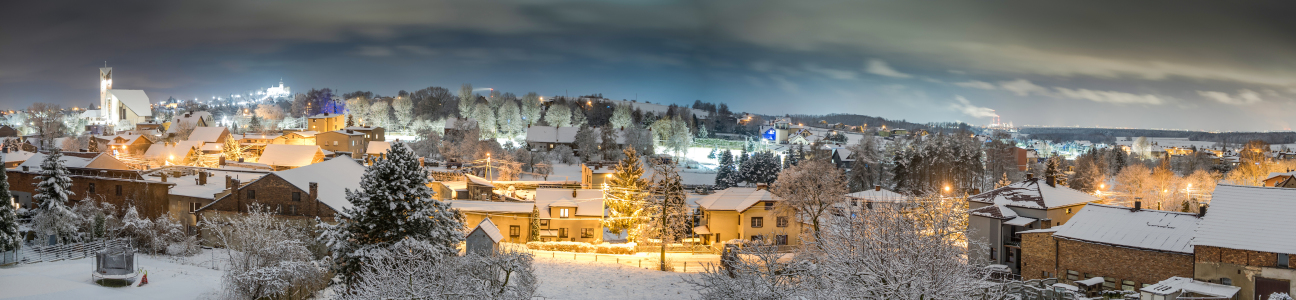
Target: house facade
743,213
572,215
996,216
314,191
512,219
116,186
326,122
348,141
1241,240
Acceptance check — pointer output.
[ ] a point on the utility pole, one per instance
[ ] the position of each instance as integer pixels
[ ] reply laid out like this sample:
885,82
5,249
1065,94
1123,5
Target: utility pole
662,237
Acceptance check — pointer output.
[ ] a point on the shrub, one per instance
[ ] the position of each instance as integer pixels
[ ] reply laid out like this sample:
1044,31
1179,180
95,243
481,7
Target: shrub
580,247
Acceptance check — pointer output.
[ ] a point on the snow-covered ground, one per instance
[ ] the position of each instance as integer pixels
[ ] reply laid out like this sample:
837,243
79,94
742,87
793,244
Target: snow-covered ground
564,278
169,278
563,172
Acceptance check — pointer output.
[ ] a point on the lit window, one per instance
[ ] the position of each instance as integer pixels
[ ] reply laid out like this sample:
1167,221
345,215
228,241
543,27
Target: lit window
563,213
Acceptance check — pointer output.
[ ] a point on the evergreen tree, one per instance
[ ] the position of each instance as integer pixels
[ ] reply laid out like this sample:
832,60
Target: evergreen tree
586,143
1119,163
232,149
762,167
725,173
626,194
1053,169
54,216
742,157
9,236
535,225
608,143
94,145
712,154
394,203
467,101
578,117
254,124
1003,181
350,120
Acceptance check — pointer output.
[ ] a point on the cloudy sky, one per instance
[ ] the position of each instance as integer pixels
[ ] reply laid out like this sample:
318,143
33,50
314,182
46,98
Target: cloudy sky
1204,65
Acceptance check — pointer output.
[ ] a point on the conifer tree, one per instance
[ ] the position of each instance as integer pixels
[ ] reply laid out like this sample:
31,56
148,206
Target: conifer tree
350,120
626,191
9,236
54,216
394,203
535,225
1003,181
254,125
725,173
232,149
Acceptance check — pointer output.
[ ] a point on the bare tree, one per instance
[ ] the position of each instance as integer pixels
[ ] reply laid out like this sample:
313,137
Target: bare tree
47,122
811,189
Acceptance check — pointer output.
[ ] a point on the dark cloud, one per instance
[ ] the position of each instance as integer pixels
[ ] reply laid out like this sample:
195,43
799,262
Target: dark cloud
1164,64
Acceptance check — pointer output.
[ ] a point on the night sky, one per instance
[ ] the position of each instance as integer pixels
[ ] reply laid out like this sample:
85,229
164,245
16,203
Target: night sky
1204,65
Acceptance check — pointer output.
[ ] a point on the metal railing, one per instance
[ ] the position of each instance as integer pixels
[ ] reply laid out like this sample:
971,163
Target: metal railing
35,254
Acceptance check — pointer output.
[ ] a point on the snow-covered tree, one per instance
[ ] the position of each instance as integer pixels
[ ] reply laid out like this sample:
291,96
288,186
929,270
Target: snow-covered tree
271,115
587,144
509,119
403,109
762,167
467,101
625,195
268,257
485,120
54,216
726,173
357,108
810,190
416,269
393,204
622,116
578,116
232,149
379,114
666,217
9,237
1280,296
608,143
531,108
914,252
640,138
558,116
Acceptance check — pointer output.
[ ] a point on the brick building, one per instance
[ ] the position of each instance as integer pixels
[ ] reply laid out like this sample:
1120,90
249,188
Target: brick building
1245,240
997,215
1128,248
116,186
317,190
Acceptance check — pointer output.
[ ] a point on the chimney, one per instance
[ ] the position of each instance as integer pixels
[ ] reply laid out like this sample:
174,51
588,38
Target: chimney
227,182
202,178
1138,204
762,186
164,177
1030,176
877,188
314,191
222,160
1051,180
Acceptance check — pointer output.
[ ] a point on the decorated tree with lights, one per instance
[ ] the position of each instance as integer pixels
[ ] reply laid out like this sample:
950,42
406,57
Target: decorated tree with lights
625,194
232,149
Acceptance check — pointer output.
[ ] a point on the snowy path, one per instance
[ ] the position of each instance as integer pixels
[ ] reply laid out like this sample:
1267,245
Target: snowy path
70,279
563,278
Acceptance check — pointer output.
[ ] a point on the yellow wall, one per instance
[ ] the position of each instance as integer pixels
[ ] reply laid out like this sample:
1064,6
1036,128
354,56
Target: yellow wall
330,123
728,225
574,224
503,221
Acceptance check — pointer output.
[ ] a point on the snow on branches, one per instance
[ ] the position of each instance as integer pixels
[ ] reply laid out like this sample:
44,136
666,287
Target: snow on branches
54,217
415,269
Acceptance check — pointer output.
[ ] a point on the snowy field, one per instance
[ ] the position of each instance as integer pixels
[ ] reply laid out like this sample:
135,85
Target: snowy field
563,278
169,278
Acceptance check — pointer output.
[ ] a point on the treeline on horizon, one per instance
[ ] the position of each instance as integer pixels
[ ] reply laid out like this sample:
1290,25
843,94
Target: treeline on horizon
1110,135
875,122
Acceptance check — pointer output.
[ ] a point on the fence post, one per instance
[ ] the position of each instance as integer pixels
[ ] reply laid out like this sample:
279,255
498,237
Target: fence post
686,267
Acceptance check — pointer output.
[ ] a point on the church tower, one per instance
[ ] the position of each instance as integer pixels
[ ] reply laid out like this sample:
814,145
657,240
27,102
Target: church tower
108,110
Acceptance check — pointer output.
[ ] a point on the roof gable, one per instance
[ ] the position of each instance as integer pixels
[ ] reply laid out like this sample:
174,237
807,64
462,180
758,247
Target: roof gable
1033,193
736,199
1238,215
135,100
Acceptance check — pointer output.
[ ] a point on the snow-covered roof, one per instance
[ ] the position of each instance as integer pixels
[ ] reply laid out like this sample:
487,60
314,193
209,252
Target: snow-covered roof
207,134
878,195
18,156
308,133
1020,221
362,128
843,153
135,100
289,155
94,160
212,147
588,202
192,118
164,151
490,229
34,162
994,211
325,115
1121,226
332,178
1176,284
478,180
378,147
187,186
492,207
1033,193
550,134
1237,212
451,123
736,198
1091,281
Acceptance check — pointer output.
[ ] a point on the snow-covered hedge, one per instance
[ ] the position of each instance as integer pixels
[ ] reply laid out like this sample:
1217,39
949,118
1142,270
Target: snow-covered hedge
580,247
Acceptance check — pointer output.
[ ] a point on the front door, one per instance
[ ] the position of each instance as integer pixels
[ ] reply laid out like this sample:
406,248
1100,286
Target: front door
1265,287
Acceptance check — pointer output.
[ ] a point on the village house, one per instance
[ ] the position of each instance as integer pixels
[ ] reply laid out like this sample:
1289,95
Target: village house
1241,241
124,144
513,219
195,188
189,120
371,133
326,122
296,138
16,157
457,125
96,176
7,131
743,213
163,154
314,191
283,157
346,141
1129,248
870,198
570,214
996,216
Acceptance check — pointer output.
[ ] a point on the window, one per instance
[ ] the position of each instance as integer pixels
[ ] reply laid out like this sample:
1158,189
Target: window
758,222
587,233
1068,211
297,196
780,239
854,202
544,224
1283,260
1073,275
781,221
292,210
194,206
119,190
335,143
757,238
769,205
562,233
1128,285
1226,281
993,257
251,194
515,230
868,205
564,212
1109,283
92,189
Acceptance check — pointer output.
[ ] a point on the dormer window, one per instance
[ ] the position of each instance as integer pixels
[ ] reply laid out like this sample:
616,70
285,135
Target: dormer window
564,212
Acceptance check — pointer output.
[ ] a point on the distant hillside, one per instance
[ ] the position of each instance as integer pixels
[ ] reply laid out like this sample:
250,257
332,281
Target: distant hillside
1109,135
873,122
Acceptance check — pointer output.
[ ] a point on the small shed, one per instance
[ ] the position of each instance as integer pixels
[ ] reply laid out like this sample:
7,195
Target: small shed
484,239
